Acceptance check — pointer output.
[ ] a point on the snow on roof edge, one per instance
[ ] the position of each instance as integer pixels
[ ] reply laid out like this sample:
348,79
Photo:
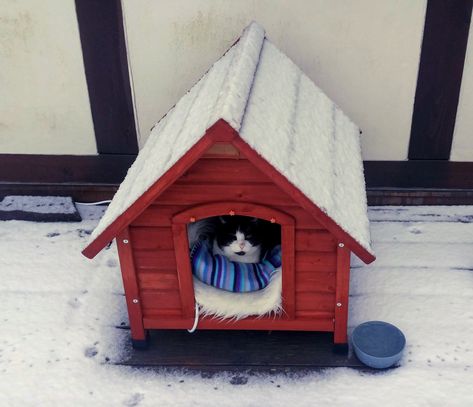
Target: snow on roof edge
233,97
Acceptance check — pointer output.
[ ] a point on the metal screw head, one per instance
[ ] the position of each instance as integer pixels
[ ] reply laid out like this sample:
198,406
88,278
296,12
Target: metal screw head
125,241
273,220
339,304
341,245
231,213
135,301
192,219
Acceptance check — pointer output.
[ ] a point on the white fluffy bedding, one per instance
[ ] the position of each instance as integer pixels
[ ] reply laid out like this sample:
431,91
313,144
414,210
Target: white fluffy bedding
224,304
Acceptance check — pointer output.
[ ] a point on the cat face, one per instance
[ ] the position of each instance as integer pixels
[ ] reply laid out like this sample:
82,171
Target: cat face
238,238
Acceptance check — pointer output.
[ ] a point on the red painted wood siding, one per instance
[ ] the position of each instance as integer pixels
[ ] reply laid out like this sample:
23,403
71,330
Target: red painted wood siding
220,179
155,265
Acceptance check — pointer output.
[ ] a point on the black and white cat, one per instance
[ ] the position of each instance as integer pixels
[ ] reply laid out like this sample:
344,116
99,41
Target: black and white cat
239,238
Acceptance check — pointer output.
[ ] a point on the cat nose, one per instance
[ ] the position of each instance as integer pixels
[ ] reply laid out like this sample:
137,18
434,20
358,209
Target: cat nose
242,245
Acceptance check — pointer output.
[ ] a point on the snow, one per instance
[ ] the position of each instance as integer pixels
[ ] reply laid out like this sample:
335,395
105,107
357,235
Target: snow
37,204
281,114
308,139
59,313
239,79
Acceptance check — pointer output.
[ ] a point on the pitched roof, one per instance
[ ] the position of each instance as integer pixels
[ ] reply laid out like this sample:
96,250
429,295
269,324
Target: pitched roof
281,114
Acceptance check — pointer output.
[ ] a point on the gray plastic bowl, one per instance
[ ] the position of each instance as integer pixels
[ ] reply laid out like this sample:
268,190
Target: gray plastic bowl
378,344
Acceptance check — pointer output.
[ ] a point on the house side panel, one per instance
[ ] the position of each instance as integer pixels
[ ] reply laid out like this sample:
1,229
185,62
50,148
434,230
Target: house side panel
315,272
230,179
156,270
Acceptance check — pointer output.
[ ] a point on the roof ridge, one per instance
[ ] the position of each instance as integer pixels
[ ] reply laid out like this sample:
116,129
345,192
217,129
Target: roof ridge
233,97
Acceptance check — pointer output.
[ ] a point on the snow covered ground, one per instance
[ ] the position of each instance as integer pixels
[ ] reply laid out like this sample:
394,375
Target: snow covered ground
59,312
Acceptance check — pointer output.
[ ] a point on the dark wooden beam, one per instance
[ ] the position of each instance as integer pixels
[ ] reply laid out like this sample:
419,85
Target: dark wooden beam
64,169
439,79
93,178
106,69
419,174
404,196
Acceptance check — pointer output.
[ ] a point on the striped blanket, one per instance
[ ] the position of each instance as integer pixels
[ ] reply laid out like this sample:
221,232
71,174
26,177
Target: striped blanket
216,270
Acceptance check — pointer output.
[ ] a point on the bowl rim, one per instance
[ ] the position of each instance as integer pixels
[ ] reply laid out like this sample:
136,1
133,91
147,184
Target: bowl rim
377,323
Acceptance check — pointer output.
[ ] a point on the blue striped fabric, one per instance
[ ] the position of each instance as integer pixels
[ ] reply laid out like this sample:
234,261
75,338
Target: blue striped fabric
216,270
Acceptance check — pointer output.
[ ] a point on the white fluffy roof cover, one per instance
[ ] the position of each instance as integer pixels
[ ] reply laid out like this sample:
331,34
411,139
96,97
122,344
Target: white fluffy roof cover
281,114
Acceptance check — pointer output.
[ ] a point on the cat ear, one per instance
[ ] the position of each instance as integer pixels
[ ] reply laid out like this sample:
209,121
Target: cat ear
222,220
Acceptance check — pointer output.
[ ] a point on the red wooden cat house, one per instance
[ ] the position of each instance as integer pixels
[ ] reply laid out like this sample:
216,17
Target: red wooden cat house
254,137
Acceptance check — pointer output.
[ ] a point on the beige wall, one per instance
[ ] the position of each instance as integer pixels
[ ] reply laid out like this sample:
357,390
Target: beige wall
462,146
364,54
44,105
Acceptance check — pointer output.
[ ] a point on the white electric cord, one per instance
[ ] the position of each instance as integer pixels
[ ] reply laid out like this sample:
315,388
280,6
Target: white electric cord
196,319
94,203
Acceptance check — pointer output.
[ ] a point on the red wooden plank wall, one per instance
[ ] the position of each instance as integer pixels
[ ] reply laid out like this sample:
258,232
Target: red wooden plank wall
214,179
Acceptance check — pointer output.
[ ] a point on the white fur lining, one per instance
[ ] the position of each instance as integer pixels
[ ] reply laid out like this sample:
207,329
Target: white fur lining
224,304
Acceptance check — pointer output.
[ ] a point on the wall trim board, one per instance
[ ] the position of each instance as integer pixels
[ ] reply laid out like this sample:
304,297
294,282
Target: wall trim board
93,178
397,197
376,196
106,69
108,169
419,174
439,79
